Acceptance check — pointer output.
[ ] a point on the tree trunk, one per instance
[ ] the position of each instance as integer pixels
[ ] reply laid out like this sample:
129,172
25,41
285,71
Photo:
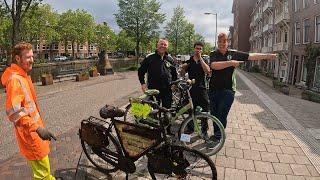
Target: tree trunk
72,44
137,51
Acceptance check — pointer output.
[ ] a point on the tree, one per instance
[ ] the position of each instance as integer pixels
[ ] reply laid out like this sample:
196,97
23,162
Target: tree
5,26
207,48
41,23
124,42
176,28
105,37
17,11
312,53
139,18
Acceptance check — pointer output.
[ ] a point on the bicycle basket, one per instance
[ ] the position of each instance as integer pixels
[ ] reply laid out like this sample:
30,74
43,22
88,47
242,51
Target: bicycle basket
136,139
93,131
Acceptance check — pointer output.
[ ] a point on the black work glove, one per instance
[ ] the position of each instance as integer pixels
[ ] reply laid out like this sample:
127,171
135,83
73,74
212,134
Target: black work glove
44,134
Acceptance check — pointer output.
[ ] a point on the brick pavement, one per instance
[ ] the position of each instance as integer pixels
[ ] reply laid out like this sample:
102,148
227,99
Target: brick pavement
258,146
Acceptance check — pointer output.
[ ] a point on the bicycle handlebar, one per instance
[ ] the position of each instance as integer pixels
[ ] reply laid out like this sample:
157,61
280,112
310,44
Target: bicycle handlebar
155,105
189,81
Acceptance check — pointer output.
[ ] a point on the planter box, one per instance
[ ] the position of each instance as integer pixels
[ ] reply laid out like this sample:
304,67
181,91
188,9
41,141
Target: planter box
47,79
81,77
285,90
93,73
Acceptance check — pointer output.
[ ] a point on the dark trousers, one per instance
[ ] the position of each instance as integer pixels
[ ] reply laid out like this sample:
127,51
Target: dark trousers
165,97
200,98
220,104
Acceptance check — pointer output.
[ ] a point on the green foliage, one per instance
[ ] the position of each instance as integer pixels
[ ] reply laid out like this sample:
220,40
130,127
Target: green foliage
255,69
312,53
139,18
105,37
311,96
124,42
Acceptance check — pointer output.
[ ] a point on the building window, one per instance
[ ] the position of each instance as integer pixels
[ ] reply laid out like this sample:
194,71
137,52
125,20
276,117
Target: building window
56,46
303,71
297,33
285,36
306,31
317,28
81,47
305,3
317,75
69,46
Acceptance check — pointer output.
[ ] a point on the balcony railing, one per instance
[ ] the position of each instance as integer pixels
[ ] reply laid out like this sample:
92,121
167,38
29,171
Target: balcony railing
267,27
266,49
284,16
267,5
251,38
280,46
252,24
257,34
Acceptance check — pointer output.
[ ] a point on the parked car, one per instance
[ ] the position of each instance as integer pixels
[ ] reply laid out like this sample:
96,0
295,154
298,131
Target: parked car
60,58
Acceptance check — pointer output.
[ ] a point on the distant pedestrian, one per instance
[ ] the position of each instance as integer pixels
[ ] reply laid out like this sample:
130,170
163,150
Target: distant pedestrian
222,85
23,111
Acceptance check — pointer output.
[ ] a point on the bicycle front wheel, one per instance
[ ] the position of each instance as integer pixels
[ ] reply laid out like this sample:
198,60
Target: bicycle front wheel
189,164
104,158
197,140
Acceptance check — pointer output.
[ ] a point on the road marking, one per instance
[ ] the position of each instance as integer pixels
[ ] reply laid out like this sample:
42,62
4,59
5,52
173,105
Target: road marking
304,138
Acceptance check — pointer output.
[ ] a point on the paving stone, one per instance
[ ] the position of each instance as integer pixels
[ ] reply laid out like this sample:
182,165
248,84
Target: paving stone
312,178
253,133
273,148
245,164
248,138
234,174
263,140
312,170
224,161
229,143
300,169
301,159
292,177
299,151
257,128
243,126
290,143
257,147
266,134
262,166
269,157
285,158
220,171
288,150
281,168
256,175
239,131
242,144
233,152
277,142
234,136
250,154
280,136
276,177
222,151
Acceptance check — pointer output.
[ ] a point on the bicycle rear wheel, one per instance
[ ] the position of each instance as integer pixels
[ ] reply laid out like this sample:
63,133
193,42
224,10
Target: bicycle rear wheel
197,141
189,164
104,158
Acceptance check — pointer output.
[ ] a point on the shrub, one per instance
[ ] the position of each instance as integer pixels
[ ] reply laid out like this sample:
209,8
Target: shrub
311,96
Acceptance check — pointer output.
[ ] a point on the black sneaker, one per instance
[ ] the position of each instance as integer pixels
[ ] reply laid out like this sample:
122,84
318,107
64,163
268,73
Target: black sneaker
213,142
188,131
205,137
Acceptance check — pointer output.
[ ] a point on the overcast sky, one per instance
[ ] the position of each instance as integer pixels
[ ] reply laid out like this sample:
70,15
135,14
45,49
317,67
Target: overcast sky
103,10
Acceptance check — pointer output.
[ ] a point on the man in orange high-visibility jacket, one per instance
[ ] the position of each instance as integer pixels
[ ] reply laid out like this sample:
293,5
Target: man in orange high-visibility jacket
23,111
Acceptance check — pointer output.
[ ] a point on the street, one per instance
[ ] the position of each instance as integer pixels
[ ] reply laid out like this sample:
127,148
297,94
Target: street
261,142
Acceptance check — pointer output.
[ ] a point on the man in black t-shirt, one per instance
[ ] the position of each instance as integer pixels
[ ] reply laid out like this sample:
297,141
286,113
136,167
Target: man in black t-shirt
222,85
197,69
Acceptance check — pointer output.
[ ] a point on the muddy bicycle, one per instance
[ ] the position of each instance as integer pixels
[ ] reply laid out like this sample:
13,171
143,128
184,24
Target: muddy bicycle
111,144
184,110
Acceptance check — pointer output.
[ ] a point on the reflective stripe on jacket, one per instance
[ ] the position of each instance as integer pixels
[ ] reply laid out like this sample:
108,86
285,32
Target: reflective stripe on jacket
22,110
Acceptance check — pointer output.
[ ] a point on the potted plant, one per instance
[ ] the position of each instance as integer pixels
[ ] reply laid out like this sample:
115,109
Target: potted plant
93,71
46,79
82,76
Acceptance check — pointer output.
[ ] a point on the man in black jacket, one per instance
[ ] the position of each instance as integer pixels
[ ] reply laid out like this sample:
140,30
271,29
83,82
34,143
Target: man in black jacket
161,71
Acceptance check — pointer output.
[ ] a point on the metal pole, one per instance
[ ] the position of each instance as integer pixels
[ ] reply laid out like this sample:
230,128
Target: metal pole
215,39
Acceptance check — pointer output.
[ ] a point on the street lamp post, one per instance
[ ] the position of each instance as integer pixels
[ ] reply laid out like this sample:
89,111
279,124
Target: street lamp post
215,37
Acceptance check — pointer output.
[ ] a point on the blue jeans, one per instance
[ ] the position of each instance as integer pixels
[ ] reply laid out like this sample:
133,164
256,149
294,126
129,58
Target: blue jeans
220,104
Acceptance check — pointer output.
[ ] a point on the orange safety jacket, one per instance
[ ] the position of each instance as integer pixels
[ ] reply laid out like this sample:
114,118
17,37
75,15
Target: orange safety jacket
23,111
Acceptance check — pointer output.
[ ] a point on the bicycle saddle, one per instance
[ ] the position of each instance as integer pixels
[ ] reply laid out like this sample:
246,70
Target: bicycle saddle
111,112
151,92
